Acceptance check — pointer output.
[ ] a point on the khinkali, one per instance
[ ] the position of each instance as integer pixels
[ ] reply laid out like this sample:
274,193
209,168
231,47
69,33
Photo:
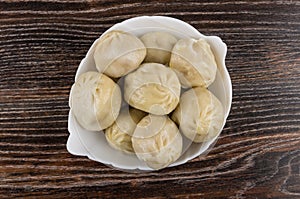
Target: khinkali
153,88
194,62
200,114
117,53
159,46
95,100
119,134
157,141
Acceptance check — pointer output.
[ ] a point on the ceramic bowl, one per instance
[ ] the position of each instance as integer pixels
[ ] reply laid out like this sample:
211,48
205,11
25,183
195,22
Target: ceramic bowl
94,145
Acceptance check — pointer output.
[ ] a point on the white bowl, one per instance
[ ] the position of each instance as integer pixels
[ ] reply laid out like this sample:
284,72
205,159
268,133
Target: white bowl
94,145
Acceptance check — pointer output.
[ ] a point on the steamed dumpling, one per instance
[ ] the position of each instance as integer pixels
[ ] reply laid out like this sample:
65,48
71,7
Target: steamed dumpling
194,62
117,53
200,115
159,46
157,141
152,88
95,100
119,134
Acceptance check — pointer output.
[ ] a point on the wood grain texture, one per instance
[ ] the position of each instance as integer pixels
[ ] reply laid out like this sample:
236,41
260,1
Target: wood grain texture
258,155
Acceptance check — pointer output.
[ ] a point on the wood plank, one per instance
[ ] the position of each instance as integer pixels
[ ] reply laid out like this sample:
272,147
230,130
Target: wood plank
257,155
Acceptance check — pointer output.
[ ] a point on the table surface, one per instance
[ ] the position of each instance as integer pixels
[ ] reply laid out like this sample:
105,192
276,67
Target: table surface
258,154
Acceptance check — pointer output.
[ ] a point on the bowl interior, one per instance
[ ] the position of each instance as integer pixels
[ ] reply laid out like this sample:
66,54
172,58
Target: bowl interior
94,143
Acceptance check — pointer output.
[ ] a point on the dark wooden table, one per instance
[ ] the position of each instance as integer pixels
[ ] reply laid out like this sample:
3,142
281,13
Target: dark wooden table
258,154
